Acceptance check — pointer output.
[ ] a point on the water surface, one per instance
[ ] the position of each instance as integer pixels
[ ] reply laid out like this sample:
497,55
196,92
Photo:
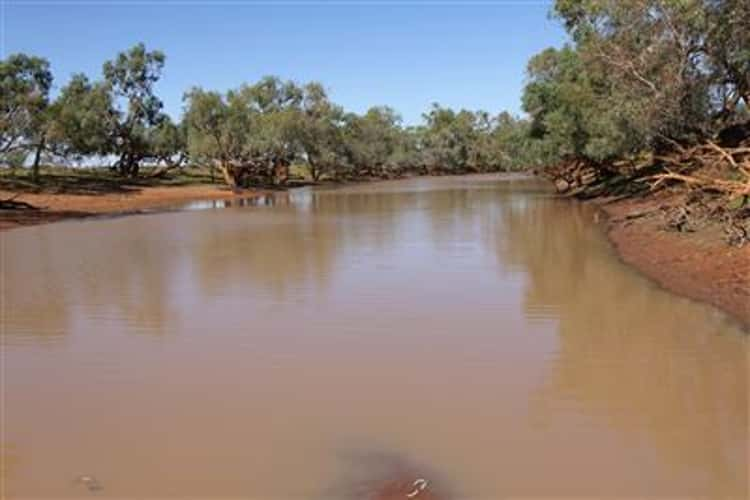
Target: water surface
474,331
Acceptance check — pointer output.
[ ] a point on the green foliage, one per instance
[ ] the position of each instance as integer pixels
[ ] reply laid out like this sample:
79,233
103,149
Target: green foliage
25,83
727,46
466,141
513,147
119,115
168,142
252,133
642,75
320,133
575,112
84,118
248,133
130,78
450,139
639,75
372,140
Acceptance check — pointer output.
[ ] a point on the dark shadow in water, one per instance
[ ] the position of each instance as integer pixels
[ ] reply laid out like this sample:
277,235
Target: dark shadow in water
384,475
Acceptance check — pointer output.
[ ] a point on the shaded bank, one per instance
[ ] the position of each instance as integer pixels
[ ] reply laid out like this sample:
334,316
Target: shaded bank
699,265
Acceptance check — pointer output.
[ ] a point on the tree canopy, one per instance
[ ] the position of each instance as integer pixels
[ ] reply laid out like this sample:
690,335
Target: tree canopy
636,76
640,75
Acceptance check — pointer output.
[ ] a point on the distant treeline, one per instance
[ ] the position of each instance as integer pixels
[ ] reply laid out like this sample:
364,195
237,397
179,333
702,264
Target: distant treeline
638,79
251,134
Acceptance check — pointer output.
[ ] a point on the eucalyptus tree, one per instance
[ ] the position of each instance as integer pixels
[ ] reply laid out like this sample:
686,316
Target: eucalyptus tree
168,146
456,142
131,77
25,114
652,56
119,115
217,129
641,75
561,100
440,145
406,156
249,133
275,105
512,147
320,133
727,45
371,140
85,118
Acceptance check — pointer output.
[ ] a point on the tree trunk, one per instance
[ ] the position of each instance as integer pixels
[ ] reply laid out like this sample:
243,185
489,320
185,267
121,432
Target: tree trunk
129,165
314,171
280,172
123,164
229,178
37,160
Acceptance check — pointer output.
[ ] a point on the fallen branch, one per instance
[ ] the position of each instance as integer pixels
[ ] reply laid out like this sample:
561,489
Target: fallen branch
732,188
723,153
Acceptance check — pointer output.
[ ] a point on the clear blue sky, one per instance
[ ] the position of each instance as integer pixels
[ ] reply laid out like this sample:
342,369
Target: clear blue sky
403,54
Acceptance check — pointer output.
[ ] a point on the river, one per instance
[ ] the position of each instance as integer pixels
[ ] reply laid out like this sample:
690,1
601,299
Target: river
475,332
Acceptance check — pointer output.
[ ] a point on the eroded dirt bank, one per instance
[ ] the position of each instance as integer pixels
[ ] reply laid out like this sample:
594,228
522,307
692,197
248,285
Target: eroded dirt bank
699,265
55,207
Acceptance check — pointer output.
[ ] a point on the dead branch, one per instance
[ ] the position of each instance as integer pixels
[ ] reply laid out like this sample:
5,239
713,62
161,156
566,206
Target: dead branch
727,156
732,188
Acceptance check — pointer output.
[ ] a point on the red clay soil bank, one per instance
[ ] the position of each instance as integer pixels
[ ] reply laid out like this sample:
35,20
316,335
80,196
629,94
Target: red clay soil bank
55,207
697,265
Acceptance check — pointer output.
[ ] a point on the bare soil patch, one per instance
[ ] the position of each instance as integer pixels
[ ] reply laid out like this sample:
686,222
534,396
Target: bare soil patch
52,207
697,264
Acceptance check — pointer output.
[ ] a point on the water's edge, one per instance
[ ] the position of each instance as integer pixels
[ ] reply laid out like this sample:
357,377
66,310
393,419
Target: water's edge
692,265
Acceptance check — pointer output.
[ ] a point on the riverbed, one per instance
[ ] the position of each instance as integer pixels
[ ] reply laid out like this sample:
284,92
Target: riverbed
474,332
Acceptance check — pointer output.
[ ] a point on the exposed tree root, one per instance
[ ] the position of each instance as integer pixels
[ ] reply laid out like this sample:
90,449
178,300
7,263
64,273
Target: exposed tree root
712,156
716,179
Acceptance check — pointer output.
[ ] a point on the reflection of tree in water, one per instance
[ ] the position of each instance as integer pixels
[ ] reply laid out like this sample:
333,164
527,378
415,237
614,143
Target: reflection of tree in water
275,251
628,352
296,244
133,268
35,303
364,219
466,214
91,269
381,219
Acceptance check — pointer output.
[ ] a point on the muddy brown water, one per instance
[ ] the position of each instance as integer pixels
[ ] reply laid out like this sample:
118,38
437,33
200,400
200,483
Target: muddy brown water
474,332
